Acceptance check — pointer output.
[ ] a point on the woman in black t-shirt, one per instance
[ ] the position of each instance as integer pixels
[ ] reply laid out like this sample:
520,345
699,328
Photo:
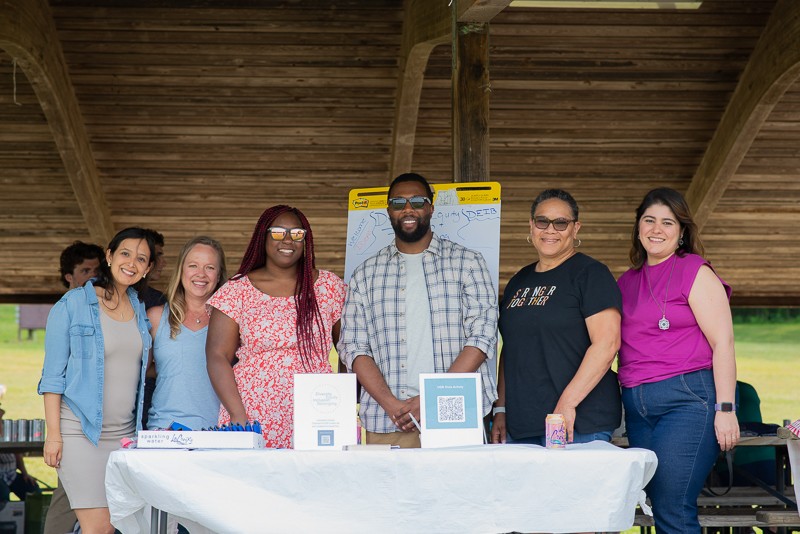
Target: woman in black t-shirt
560,323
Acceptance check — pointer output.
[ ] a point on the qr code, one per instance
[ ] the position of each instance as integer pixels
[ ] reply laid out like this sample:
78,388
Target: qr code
450,409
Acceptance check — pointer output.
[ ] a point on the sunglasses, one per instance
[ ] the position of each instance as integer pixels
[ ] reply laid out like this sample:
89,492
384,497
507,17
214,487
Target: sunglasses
559,224
399,203
278,233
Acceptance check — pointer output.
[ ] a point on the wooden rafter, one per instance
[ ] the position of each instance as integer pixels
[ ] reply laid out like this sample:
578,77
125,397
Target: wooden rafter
28,34
480,10
773,66
426,24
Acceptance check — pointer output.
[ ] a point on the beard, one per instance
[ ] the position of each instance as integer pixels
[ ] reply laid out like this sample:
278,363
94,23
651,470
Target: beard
423,225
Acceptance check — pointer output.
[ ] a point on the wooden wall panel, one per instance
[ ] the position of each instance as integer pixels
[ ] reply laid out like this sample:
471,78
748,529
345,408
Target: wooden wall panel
201,114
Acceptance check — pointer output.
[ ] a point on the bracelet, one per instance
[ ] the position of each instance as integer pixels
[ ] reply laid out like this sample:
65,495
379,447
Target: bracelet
52,441
498,409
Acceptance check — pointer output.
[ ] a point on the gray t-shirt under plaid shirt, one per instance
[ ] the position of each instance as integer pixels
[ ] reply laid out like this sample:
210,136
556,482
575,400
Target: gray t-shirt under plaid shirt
463,308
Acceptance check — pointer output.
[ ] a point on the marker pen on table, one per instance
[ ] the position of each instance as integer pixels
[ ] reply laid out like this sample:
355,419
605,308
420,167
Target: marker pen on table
414,420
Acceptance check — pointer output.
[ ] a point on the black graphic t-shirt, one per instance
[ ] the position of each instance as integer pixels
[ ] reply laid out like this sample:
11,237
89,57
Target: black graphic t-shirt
542,322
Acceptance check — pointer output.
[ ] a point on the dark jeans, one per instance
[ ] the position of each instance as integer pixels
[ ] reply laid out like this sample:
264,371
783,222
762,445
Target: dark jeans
675,419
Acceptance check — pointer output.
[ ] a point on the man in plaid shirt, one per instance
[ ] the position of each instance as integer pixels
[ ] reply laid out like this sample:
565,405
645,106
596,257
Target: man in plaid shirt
423,304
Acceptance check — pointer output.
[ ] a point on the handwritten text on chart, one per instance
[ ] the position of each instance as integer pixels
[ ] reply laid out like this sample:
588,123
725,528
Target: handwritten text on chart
364,235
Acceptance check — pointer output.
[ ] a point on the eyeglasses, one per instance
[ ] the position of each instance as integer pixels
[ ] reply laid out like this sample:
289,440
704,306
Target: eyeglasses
559,224
278,233
399,203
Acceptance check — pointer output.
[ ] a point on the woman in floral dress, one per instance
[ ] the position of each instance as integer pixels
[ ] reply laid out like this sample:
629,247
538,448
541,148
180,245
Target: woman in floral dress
277,316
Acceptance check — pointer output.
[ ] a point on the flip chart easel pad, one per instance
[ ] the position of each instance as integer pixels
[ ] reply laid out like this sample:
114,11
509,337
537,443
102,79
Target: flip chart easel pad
467,213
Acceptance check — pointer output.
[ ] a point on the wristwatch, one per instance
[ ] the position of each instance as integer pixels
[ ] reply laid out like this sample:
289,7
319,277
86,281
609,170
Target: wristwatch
725,407
498,409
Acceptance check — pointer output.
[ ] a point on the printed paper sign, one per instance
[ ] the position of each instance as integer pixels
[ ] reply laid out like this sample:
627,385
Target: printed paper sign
450,407
324,411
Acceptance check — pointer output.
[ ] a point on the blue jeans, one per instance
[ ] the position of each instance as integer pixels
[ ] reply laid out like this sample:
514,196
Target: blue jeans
576,438
675,419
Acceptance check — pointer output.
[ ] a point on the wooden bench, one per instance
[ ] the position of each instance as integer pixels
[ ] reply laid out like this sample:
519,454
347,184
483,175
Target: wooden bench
731,518
779,518
740,496
714,517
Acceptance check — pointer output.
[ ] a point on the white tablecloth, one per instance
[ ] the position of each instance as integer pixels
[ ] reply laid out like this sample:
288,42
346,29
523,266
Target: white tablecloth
794,460
486,489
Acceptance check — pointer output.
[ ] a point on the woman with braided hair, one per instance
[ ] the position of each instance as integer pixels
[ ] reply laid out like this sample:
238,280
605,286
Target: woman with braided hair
277,316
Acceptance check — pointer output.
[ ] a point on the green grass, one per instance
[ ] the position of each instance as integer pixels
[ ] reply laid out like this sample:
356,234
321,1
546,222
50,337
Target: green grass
20,369
768,357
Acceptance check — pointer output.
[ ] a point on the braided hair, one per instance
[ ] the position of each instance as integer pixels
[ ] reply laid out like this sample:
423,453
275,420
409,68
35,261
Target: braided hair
310,327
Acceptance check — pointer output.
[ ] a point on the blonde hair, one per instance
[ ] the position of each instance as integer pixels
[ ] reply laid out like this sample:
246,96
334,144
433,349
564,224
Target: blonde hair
176,294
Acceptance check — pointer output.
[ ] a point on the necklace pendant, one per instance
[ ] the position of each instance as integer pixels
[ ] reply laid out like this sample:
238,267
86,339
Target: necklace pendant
663,324
197,321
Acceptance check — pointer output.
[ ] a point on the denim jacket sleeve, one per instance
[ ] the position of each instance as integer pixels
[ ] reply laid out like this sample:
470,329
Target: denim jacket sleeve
56,350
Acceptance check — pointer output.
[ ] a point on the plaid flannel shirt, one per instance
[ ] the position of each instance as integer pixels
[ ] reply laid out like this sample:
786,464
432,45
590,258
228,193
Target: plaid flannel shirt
463,308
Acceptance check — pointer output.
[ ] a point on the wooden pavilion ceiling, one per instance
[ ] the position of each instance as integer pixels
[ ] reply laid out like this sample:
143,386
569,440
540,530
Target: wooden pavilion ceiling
200,114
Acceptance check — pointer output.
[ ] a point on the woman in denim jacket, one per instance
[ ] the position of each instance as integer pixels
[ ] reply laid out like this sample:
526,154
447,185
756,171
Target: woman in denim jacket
96,348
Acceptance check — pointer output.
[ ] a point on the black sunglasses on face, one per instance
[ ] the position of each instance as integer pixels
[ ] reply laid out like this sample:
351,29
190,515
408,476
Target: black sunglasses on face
278,233
559,224
399,203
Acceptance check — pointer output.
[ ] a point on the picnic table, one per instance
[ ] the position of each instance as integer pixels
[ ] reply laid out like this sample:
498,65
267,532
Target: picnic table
743,507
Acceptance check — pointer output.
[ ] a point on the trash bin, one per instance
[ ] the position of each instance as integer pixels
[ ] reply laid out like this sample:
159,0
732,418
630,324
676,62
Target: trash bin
36,505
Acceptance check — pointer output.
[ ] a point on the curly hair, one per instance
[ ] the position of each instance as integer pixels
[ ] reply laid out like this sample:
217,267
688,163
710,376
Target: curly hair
560,194
310,330
75,254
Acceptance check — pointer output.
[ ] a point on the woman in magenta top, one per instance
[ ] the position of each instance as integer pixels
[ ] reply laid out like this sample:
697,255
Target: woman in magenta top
676,363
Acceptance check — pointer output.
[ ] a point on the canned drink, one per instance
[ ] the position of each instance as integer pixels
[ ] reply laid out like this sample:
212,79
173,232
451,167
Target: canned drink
36,430
13,425
555,431
8,430
22,430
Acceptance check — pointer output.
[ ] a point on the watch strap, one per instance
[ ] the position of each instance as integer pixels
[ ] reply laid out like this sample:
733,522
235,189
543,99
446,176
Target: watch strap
725,407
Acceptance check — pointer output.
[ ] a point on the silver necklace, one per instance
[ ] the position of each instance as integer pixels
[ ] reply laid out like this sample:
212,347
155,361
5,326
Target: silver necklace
663,323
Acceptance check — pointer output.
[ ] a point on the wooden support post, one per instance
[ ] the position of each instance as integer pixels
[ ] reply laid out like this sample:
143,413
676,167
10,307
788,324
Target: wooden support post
471,89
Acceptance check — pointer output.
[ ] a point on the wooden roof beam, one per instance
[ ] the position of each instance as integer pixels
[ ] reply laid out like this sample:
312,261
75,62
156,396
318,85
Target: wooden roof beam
28,34
480,10
773,66
426,24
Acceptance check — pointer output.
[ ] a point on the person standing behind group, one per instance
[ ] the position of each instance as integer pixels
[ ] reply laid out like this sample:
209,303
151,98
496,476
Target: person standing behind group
422,304
151,296
78,263
277,316
183,391
96,350
560,322
676,364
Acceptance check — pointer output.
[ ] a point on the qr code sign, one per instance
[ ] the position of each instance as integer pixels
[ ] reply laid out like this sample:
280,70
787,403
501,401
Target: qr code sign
450,409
